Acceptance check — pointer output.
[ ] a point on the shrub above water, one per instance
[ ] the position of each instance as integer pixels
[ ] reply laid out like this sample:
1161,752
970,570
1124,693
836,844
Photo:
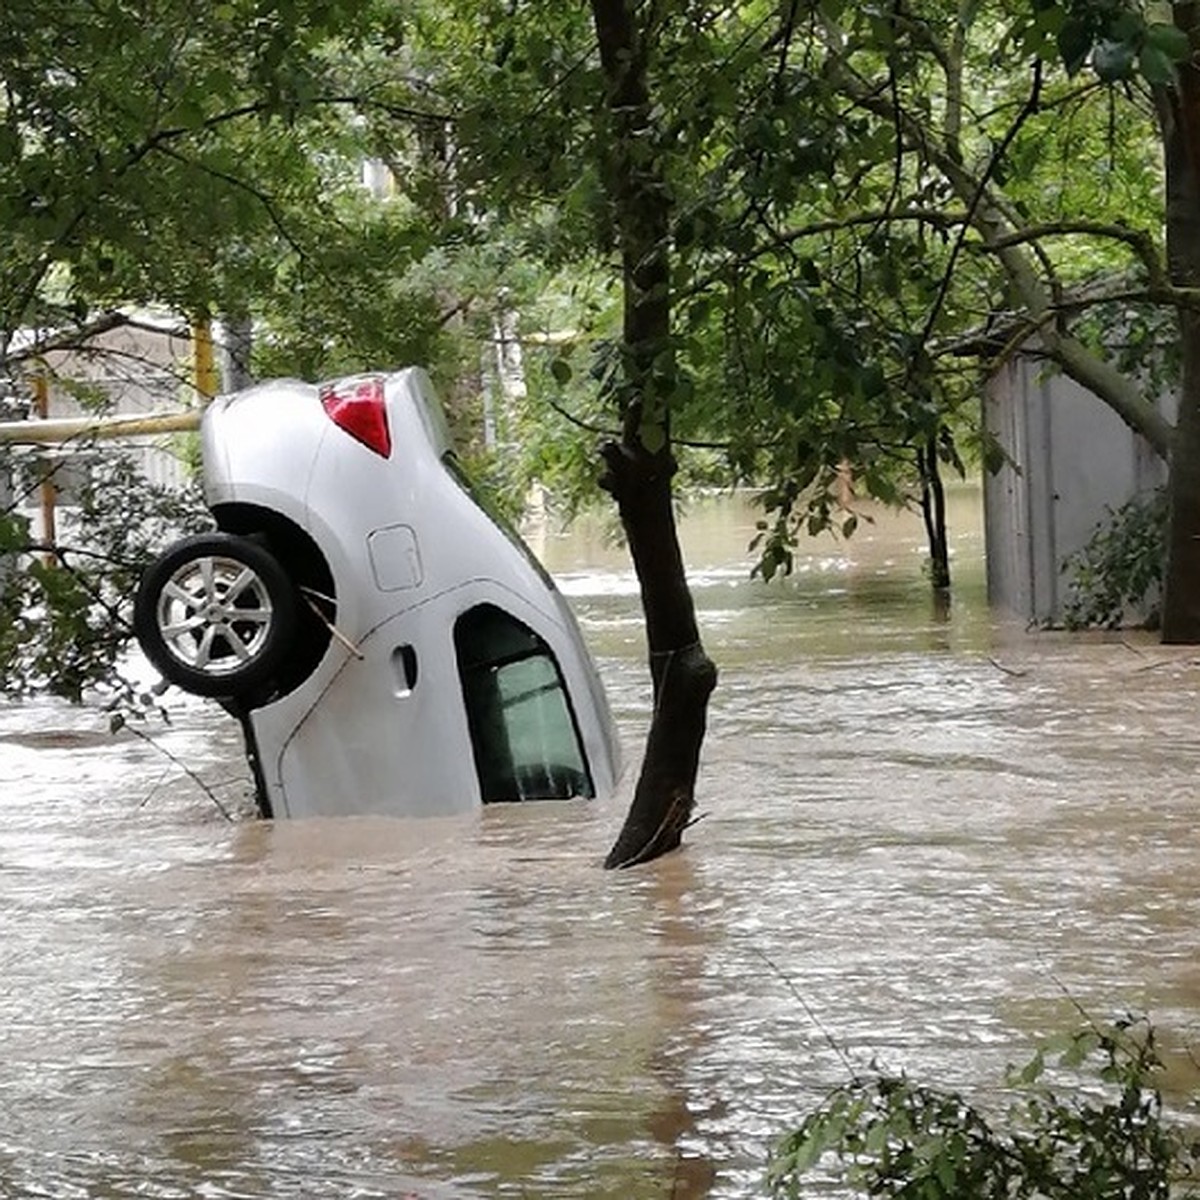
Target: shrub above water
1105,1137
1118,575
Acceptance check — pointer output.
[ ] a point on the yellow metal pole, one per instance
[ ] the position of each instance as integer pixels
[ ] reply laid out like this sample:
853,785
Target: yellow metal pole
68,429
204,363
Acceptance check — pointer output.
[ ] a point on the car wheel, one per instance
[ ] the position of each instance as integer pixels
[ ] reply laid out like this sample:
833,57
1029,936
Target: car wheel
216,614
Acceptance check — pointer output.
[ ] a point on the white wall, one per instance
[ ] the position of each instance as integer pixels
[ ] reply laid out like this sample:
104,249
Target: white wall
1073,460
140,368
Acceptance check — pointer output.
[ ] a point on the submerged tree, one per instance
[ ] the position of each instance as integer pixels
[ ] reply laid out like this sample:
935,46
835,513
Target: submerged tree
639,466
560,150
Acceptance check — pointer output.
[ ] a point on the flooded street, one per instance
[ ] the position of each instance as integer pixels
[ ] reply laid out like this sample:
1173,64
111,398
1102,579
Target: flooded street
924,840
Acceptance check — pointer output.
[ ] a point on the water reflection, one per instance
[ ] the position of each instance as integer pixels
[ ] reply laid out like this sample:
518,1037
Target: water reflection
926,838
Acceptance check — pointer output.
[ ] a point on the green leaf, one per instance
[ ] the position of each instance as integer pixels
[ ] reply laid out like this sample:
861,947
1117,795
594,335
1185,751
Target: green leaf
560,368
1033,1069
191,112
1128,27
947,1173
1074,44
653,436
1170,39
698,312
876,1139
1157,66
10,144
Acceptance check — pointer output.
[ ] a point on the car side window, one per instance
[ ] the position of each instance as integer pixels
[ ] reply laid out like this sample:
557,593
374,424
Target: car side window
523,732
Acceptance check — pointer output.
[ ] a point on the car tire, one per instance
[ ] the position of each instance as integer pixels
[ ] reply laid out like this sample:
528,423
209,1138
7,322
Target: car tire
217,615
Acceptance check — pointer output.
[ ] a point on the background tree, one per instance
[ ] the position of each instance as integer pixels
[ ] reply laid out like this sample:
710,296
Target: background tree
1069,269
872,206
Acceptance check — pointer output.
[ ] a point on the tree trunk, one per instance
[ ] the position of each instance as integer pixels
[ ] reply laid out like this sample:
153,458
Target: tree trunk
933,511
237,346
1181,587
640,467
682,675
1180,115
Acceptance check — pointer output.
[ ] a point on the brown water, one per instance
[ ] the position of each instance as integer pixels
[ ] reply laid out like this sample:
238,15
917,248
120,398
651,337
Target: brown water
926,839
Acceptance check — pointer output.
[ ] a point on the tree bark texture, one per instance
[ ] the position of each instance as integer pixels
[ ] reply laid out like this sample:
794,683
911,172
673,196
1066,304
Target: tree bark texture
933,512
640,467
1180,116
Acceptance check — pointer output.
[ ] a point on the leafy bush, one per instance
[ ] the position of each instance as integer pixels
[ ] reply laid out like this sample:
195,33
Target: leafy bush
65,606
1120,570
887,1136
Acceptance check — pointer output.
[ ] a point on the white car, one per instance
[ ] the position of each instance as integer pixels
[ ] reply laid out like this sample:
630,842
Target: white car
387,645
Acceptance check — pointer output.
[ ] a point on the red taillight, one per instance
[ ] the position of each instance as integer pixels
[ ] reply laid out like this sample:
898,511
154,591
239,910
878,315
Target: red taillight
357,406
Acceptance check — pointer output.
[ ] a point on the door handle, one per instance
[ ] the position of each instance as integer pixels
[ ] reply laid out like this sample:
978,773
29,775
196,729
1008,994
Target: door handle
404,667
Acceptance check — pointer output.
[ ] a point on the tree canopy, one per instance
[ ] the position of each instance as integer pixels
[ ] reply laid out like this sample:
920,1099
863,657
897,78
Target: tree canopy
870,206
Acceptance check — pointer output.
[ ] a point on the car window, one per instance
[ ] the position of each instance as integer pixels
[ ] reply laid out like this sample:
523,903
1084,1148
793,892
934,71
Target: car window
523,731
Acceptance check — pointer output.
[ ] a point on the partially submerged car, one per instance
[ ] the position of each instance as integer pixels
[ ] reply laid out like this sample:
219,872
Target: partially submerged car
389,647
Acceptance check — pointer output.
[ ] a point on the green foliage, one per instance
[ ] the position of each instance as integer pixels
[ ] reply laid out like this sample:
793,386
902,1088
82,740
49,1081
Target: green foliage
1120,570
1118,40
837,176
65,609
1106,1137
207,160
834,300
136,142
1140,341
352,299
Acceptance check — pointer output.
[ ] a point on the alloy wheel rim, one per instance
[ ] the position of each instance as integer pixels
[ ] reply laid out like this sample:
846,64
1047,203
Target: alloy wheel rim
214,615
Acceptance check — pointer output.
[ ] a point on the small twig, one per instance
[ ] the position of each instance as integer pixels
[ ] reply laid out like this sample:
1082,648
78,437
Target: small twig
154,790
675,821
1167,662
1153,666
311,598
789,983
1017,671
579,422
181,765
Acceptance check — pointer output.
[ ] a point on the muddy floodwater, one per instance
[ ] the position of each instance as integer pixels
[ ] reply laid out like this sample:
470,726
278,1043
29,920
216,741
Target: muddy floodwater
926,839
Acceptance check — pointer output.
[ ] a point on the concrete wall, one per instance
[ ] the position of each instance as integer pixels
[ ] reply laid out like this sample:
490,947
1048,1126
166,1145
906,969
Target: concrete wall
1073,460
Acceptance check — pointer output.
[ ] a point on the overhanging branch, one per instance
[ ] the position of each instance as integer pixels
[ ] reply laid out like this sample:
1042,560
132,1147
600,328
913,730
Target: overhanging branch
1138,240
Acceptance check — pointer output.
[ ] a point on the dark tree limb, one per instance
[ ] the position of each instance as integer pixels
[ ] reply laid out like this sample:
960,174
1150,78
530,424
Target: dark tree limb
639,468
933,513
1179,115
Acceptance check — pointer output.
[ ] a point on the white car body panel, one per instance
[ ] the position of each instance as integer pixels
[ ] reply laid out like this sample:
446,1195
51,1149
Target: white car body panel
409,551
